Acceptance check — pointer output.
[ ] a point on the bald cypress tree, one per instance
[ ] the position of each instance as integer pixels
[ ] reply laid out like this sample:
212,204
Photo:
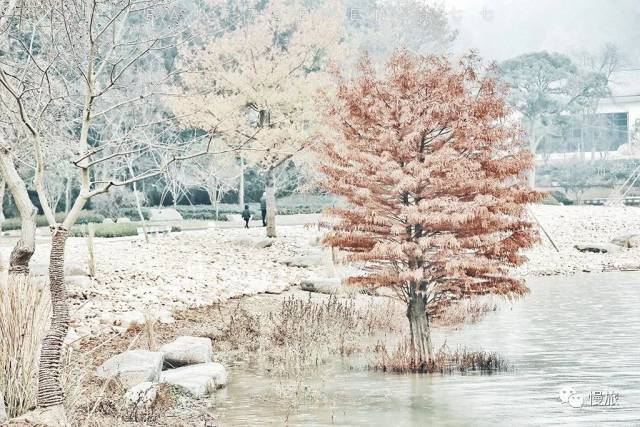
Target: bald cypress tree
432,173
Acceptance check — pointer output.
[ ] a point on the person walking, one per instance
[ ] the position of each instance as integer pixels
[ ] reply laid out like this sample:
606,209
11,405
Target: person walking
263,208
246,215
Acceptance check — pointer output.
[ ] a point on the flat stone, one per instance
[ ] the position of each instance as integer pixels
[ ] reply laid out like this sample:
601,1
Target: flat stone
123,220
263,243
276,288
199,380
598,248
254,243
130,320
164,317
187,350
323,285
259,286
53,416
142,395
306,261
132,367
627,241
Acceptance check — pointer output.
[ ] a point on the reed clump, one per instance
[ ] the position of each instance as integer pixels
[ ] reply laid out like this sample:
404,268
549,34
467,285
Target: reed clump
25,308
402,359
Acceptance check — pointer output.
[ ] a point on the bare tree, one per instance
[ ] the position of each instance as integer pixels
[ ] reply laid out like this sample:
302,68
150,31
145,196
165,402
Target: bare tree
215,175
264,73
97,61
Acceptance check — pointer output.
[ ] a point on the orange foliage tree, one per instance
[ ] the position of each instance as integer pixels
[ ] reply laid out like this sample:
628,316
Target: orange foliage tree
432,173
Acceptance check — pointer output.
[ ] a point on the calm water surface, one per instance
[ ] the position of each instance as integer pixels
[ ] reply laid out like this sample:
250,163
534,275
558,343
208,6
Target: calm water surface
581,332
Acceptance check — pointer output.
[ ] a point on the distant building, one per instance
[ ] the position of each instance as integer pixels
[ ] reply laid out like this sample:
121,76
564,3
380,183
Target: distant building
608,133
623,106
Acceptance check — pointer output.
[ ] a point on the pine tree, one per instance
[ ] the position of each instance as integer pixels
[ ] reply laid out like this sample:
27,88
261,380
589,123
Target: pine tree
432,173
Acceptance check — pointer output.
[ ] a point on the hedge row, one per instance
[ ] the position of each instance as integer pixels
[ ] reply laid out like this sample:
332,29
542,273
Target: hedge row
202,212
41,221
133,215
122,229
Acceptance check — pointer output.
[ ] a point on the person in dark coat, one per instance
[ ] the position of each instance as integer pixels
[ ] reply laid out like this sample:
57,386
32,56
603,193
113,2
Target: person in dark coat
263,208
246,215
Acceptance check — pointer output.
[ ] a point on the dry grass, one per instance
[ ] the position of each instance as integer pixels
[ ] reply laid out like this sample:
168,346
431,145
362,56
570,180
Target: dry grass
149,329
25,309
402,360
109,408
465,312
303,333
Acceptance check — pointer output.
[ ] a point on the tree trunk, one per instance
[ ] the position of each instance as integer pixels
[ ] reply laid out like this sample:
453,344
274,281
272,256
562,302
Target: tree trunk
213,198
3,187
271,204
50,392
241,187
421,344
140,214
67,195
24,249
218,200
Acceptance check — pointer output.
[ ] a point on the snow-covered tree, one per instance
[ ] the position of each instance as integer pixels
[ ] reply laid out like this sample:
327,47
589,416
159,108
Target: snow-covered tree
258,81
544,86
380,27
82,66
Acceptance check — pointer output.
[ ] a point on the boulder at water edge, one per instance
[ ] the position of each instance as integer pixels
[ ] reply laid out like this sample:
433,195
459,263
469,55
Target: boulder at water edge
199,380
132,367
187,350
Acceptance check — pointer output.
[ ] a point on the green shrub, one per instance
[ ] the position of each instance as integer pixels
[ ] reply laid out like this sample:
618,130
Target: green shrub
132,214
87,217
109,230
285,206
122,229
202,212
11,224
41,221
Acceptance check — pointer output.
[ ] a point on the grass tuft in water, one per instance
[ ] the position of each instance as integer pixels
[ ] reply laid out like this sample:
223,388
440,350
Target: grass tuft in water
402,360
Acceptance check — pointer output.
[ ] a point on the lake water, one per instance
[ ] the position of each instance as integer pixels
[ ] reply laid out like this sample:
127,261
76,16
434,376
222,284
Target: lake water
581,332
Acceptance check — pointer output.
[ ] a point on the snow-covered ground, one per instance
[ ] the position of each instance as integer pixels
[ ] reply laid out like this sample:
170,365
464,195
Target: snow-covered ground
179,271
579,225
198,268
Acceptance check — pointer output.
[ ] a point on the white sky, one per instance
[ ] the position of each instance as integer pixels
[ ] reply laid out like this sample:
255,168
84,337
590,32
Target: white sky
500,29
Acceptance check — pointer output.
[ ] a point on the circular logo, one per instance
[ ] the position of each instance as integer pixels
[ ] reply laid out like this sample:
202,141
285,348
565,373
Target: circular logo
565,393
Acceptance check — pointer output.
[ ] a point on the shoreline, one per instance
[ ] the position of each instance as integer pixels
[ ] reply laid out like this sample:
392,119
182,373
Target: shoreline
225,264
